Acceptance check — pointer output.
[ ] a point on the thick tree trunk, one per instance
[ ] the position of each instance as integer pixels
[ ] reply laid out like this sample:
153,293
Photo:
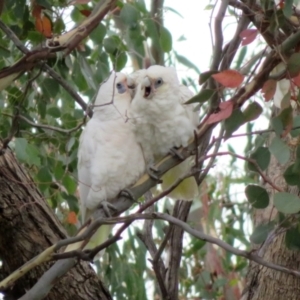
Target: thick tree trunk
262,282
27,227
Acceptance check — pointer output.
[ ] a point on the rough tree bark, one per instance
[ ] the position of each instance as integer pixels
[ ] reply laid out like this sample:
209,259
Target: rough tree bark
27,227
262,282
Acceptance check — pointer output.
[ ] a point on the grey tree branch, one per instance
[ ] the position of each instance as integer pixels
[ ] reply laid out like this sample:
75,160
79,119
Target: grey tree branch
181,211
156,14
234,44
147,238
217,54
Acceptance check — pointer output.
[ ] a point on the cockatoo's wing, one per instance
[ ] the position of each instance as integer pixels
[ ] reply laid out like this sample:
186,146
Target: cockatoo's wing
188,188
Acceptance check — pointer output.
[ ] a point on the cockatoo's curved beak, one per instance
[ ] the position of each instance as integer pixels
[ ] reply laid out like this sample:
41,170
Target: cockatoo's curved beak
148,88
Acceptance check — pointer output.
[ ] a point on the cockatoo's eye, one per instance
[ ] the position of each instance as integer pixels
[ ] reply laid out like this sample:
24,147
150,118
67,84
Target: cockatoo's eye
121,88
158,82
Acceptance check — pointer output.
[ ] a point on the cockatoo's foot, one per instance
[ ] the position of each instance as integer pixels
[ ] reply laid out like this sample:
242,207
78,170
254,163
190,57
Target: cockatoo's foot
107,206
174,152
127,194
152,172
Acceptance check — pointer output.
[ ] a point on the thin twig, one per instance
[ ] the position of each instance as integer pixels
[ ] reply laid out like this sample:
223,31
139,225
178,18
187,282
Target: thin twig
44,125
14,125
252,161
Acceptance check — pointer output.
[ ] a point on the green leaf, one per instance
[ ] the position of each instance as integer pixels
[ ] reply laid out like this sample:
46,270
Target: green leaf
120,62
288,8
241,58
183,60
110,45
296,123
280,150
293,64
261,232
98,34
292,176
50,87
70,184
129,14
252,112
4,52
298,152
232,123
58,170
151,30
33,155
260,140
262,157
68,121
287,203
20,149
201,97
292,239
87,72
44,175
72,202
277,125
204,76
53,111
70,143
257,196
286,115
165,39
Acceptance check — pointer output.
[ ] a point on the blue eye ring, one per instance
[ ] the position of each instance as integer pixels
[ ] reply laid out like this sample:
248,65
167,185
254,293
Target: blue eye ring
121,88
159,82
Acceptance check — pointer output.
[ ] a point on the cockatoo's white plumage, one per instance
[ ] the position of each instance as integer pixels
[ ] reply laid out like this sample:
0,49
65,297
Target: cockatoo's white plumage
109,157
162,121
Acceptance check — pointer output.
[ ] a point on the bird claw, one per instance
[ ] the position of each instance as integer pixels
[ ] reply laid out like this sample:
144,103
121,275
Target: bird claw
152,172
127,194
174,152
107,206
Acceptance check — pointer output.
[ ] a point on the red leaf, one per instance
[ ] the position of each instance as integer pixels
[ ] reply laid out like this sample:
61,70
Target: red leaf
248,36
44,26
269,88
296,80
85,12
72,218
225,111
229,78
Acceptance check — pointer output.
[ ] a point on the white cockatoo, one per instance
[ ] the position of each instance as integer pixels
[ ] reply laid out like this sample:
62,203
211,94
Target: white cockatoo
161,121
109,156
